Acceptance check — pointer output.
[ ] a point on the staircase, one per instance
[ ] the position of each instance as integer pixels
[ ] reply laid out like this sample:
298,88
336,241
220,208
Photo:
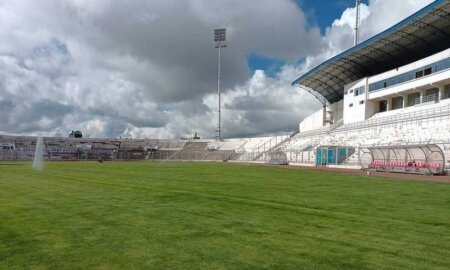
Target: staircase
272,145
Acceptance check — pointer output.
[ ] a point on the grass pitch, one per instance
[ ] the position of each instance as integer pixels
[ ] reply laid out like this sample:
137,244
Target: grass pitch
217,216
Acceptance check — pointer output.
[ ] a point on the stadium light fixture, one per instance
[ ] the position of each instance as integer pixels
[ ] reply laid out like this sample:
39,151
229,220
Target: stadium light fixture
220,35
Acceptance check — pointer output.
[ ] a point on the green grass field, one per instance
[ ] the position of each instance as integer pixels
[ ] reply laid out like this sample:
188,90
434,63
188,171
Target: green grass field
217,216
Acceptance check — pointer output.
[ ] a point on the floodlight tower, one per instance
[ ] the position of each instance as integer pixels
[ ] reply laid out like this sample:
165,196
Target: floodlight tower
358,11
219,38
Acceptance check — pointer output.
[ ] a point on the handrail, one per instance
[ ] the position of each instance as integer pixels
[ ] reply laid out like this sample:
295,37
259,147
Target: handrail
309,143
268,144
241,149
430,98
321,130
388,120
416,115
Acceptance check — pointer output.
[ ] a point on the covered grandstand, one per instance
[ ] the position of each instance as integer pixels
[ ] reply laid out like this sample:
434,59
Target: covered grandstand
422,34
391,90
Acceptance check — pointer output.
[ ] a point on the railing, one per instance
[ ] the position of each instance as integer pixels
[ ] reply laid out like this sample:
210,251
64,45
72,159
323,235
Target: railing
426,99
322,130
241,149
310,143
271,145
409,142
274,147
274,141
410,117
336,125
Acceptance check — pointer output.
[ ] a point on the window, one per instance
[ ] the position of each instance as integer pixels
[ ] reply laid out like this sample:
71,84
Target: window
351,91
360,90
351,105
361,102
446,92
411,75
383,106
419,74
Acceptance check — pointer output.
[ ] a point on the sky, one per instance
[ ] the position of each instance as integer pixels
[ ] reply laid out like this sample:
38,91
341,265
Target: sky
148,69
322,13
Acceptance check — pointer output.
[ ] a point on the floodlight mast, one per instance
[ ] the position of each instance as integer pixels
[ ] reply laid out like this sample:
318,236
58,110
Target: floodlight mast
358,11
219,38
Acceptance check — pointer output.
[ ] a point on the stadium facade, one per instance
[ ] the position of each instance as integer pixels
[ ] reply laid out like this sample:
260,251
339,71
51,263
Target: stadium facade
386,106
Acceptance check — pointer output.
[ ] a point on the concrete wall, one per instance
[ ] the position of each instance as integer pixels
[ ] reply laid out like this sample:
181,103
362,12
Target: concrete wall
355,106
315,120
337,110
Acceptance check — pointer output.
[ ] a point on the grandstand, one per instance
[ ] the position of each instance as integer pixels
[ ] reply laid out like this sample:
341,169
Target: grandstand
391,91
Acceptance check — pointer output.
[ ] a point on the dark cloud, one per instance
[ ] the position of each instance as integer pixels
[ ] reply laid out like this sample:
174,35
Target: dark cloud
148,68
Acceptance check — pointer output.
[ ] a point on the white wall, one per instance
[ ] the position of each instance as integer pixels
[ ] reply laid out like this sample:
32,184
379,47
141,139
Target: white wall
354,111
337,109
313,121
372,107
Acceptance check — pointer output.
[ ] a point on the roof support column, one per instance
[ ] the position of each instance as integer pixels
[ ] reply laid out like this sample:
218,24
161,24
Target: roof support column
404,99
441,92
422,96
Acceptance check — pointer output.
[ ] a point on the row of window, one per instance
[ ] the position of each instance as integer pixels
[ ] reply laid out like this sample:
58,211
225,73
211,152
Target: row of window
411,75
358,91
351,104
413,99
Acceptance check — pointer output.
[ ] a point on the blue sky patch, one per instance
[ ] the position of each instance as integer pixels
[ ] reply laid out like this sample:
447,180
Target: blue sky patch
259,62
320,13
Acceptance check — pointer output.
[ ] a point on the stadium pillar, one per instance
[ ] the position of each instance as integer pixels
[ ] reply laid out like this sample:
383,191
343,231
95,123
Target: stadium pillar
388,104
422,96
404,99
441,92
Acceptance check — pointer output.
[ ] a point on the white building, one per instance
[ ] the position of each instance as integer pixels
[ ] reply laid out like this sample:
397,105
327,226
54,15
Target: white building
402,68
390,92
421,83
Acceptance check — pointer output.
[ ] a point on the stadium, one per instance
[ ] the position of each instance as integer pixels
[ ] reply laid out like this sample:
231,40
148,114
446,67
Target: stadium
385,104
386,112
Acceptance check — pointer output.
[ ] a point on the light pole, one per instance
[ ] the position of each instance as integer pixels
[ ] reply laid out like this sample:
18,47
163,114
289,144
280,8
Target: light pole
220,38
357,10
